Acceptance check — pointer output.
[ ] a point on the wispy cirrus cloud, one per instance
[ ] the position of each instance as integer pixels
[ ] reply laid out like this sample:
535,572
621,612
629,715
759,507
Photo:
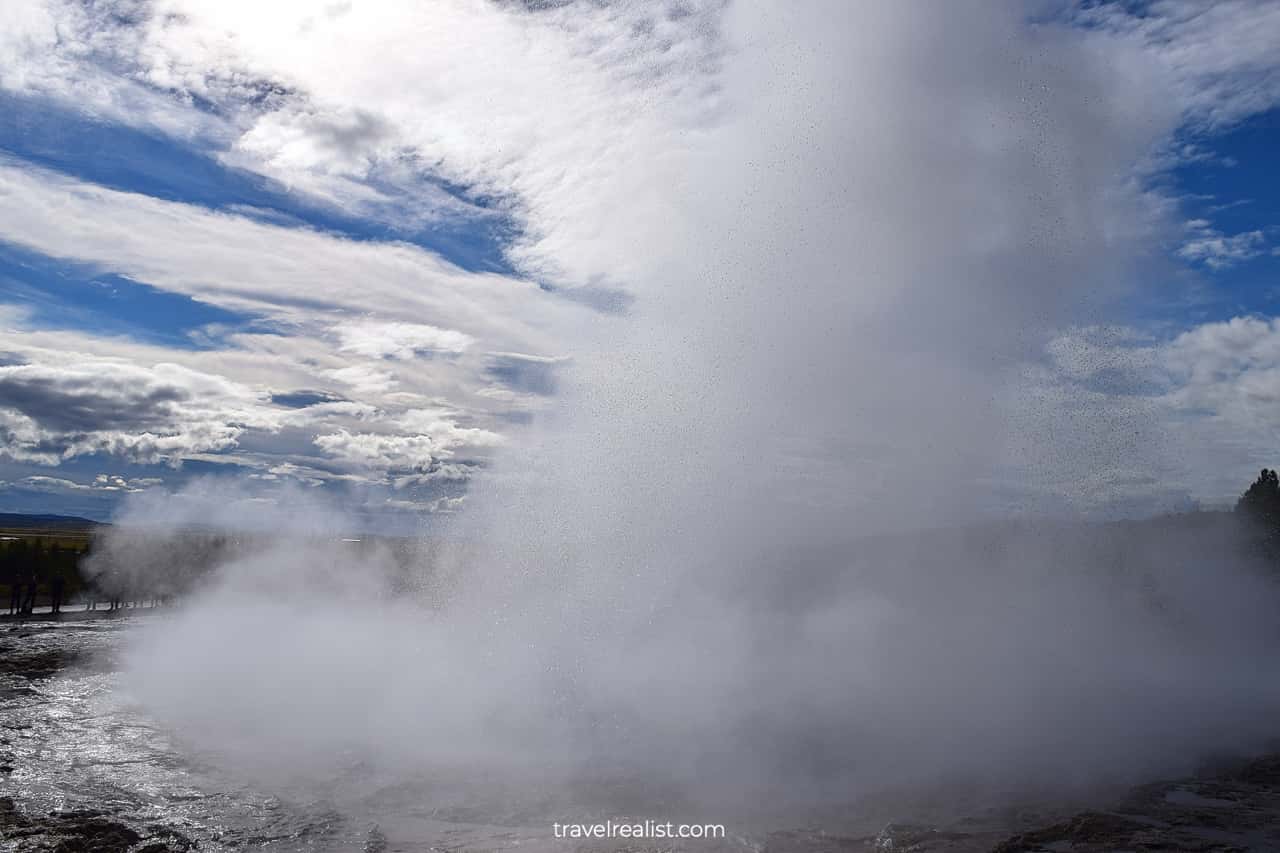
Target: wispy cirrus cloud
1219,58
1218,251
100,483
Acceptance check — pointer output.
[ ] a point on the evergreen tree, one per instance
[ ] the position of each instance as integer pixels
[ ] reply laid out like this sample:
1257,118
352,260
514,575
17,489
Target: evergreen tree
1262,499
1260,506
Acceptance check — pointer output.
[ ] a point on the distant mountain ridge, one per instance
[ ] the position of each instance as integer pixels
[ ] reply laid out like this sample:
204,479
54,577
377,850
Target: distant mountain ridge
44,521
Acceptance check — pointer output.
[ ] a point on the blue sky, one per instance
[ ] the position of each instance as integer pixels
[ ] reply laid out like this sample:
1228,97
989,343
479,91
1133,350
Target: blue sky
227,258
1236,189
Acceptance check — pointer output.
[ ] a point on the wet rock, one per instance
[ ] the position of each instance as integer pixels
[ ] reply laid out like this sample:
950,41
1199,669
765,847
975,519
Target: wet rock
894,838
95,835
27,661
1086,828
910,837
170,839
804,841
82,831
1263,774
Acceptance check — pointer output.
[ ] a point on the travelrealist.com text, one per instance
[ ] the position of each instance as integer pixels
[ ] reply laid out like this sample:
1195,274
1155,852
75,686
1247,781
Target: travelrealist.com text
643,829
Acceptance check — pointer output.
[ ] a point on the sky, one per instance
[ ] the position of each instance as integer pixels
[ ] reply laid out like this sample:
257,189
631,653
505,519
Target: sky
362,248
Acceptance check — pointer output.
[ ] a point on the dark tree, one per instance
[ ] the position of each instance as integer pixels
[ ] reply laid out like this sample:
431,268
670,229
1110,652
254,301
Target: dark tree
1260,507
1262,499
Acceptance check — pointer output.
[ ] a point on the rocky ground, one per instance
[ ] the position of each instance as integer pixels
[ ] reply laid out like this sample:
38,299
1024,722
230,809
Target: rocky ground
83,831
1226,811
27,659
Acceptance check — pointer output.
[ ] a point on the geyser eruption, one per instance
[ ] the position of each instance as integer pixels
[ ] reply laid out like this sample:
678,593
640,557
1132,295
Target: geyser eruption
846,232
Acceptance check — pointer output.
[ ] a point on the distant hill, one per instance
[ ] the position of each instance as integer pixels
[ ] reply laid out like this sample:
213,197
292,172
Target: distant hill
16,521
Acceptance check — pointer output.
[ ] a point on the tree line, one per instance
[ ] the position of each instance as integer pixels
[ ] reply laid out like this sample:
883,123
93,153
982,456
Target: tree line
116,567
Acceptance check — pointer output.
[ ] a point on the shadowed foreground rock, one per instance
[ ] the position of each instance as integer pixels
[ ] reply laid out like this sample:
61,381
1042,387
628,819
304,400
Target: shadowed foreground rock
1228,811
1235,810
82,831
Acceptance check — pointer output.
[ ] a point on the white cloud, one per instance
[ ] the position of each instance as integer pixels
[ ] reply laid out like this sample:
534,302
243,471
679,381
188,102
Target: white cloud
1219,251
75,405
400,340
71,395
590,79
334,301
899,227
439,505
1220,58
1086,352
292,275
100,483
363,377
79,55
434,440
1163,421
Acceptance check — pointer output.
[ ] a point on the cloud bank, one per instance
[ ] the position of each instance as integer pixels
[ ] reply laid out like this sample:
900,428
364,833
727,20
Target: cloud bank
638,151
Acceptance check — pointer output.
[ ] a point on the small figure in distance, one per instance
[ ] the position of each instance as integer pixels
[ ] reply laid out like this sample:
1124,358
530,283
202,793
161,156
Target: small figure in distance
15,592
33,584
56,585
